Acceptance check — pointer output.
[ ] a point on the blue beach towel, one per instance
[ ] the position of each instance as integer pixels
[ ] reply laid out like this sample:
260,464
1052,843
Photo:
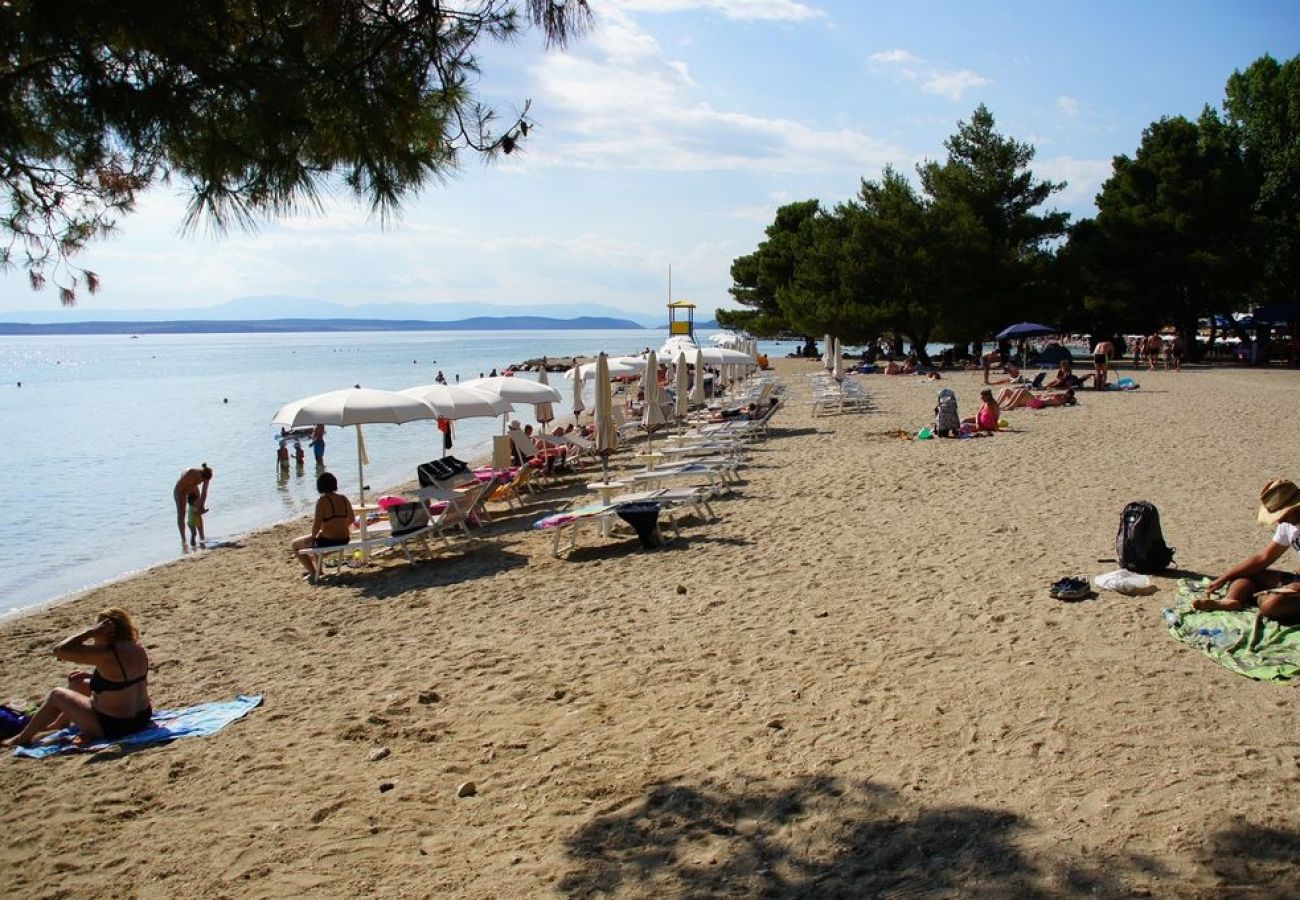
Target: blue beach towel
168,725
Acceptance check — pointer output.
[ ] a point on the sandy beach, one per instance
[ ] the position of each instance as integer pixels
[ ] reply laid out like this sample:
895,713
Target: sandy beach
853,683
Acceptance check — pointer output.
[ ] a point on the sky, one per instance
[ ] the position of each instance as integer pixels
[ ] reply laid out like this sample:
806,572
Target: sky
669,135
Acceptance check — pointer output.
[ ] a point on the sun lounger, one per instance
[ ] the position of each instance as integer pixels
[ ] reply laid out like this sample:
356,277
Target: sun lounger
574,520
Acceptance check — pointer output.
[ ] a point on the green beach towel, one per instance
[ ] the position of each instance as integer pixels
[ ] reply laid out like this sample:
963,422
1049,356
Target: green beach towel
1243,641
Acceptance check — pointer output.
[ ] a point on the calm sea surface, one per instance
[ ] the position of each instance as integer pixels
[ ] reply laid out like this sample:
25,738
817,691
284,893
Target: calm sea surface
103,425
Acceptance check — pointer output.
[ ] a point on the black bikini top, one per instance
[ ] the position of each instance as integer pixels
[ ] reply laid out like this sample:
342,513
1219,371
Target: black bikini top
99,684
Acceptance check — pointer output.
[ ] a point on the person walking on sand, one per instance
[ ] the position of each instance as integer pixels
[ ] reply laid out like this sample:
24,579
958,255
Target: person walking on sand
191,481
317,444
1251,581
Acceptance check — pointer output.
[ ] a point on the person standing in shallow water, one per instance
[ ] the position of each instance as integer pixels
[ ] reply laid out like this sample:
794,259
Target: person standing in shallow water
191,481
317,444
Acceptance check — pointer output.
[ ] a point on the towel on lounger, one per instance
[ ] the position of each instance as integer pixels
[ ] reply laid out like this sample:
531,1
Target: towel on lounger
1241,641
168,725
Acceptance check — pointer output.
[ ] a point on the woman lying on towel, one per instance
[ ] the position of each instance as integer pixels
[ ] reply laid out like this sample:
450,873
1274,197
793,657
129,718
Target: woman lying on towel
1014,398
1251,581
110,702
332,526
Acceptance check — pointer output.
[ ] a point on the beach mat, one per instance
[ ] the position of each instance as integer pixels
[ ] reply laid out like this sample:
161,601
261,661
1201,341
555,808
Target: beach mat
1242,641
168,725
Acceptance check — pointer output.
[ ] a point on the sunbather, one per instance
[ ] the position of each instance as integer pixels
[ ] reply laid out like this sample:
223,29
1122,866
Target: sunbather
906,367
100,705
1251,581
1016,397
332,525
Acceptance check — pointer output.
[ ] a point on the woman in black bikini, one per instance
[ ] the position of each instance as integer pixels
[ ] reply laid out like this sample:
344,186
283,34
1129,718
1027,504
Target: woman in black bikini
332,526
110,702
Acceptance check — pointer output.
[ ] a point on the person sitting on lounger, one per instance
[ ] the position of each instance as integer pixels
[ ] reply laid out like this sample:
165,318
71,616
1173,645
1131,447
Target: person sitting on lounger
1016,397
332,525
110,702
1251,581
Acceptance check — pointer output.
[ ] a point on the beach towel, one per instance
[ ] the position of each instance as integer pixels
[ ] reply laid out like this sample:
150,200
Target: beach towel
168,725
562,518
1244,641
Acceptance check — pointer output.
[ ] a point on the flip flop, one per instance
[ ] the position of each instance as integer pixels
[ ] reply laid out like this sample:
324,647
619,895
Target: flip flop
1071,589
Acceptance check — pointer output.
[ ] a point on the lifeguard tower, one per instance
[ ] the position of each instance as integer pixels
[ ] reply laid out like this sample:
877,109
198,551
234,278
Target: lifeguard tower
681,319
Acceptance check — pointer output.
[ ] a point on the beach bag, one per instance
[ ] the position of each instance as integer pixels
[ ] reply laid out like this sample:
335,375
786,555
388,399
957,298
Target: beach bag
1139,543
407,517
11,722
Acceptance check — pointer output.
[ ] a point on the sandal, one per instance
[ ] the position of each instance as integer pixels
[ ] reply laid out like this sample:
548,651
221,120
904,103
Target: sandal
1071,589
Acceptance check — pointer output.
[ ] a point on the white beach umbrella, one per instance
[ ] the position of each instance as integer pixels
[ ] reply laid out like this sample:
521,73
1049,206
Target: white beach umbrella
576,375
606,430
697,389
456,401
615,367
516,389
652,412
681,387
838,364
354,407
545,412
721,356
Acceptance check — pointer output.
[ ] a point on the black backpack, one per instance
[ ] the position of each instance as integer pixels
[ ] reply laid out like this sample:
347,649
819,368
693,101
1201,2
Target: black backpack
1139,543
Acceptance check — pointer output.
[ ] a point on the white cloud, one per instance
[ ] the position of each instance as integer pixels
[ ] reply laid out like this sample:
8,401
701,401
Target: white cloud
1083,178
1070,106
741,10
934,77
621,102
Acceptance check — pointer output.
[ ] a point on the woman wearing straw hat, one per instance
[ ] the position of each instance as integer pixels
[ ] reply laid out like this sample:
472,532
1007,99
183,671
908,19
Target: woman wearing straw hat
1250,581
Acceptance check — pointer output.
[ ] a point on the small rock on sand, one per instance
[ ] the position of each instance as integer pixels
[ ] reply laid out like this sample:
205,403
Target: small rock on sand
467,789
378,753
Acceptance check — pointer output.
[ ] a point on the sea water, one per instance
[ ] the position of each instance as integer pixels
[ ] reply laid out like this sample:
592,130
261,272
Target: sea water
102,426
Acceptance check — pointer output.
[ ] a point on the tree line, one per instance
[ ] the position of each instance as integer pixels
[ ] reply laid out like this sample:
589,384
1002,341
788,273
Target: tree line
1203,220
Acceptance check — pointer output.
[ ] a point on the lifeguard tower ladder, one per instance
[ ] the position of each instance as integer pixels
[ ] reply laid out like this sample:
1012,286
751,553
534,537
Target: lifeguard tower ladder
681,319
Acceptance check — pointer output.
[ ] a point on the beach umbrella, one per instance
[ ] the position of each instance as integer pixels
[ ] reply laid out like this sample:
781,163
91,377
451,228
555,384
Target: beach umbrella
606,430
354,407
615,366
545,412
681,387
652,412
830,345
456,401
1025,330
576,375
697,389
838,365
515,389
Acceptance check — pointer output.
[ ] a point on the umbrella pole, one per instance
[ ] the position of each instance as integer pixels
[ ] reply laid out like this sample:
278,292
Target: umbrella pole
361,466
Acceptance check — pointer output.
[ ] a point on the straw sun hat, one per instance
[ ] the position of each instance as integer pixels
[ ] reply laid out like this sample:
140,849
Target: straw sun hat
1277,499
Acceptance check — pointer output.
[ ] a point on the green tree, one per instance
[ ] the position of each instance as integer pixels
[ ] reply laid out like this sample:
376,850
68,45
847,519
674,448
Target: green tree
870,268
1174,230
759,276
998,242
260,106
1263,103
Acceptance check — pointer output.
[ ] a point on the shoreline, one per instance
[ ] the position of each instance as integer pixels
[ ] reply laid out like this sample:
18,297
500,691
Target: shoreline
853,681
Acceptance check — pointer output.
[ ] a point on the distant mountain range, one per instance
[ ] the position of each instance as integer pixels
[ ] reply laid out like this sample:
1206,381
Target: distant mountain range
265,326
280,308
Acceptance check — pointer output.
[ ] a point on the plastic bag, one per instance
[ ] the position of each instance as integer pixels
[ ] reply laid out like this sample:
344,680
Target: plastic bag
1125,582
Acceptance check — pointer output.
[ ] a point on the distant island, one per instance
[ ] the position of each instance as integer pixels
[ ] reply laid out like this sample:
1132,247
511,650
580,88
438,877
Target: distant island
276,326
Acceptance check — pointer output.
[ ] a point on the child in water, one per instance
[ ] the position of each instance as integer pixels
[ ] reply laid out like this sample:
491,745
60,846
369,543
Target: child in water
195,520
299,456
282,457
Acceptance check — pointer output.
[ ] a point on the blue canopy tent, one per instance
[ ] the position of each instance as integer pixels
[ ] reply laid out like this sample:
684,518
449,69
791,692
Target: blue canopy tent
1022,331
